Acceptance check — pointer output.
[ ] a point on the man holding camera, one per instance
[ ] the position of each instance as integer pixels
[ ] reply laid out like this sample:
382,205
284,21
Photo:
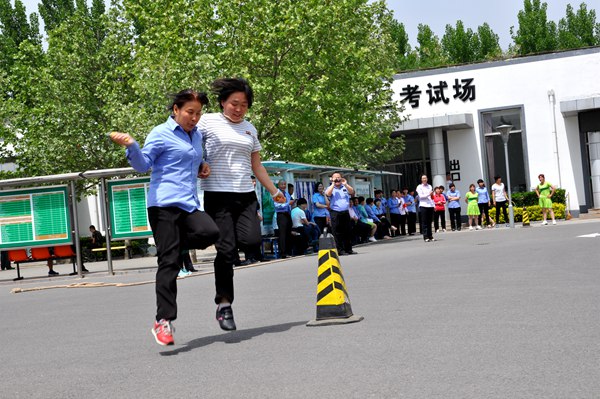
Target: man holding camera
339,193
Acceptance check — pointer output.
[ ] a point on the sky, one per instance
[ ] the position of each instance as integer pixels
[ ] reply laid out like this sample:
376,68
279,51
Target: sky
500,15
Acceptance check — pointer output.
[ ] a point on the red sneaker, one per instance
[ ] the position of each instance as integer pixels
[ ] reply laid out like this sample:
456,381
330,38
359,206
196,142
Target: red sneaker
163,332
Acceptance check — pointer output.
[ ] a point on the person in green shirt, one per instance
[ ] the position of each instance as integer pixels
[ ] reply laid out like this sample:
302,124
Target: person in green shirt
472,207
545,191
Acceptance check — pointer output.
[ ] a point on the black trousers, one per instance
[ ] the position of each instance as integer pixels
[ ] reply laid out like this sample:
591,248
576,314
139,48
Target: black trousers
454,218
342,228
284,227
321,221
484,208
395,218
403,219
439,219
426,216
501,205
235,215
412,222
175,230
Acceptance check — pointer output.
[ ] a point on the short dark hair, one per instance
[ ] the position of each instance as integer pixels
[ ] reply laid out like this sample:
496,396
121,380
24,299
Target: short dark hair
451,185
225,87
378,191
317,185
361,198
187,95
93,227
369,200
497,177
290,185
301,201
480,181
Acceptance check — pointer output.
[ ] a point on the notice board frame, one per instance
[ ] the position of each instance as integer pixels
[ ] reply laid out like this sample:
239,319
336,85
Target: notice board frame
110,189
68,240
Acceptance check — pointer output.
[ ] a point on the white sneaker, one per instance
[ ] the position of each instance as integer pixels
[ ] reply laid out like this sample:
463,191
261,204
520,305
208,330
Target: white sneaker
372,239
544,223
183,273
470,227
444,230
478,228
554,222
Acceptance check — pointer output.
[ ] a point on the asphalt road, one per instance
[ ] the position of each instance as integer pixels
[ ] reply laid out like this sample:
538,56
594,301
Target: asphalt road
491,314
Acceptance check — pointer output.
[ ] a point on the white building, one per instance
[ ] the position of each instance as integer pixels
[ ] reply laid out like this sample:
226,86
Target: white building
552,101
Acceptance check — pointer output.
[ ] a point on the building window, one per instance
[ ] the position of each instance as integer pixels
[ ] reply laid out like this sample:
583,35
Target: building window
493,147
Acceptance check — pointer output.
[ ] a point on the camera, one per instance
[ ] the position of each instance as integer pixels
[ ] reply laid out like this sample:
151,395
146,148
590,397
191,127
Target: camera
337,180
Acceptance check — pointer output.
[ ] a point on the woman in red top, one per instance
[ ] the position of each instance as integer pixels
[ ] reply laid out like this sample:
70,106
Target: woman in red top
439,211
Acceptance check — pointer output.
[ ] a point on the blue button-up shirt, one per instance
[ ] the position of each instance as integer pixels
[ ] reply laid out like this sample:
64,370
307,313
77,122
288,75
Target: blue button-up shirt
393,205
484,196
175,157
456,203
371,213
339,200
319,198
409,200
284,207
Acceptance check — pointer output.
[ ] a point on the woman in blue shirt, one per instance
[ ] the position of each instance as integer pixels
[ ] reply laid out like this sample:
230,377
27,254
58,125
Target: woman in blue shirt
320,206
173,150
484,204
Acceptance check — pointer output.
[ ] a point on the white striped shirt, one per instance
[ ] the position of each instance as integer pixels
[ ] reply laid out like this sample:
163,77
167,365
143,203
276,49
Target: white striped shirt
228,148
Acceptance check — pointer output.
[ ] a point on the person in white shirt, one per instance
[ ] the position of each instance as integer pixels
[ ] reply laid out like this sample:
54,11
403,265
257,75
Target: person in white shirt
233,153
304,229
500,199
426,205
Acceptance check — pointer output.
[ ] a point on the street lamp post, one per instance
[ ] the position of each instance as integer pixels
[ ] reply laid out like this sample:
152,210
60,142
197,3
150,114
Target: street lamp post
505,134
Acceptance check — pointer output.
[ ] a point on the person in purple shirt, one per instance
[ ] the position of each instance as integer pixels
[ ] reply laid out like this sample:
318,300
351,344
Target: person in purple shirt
173,150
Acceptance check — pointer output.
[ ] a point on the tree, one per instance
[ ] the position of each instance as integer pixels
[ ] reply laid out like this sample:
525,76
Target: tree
54,12
321,70
579,29
489,44
535,34
459,45
429,49
15,29
405,57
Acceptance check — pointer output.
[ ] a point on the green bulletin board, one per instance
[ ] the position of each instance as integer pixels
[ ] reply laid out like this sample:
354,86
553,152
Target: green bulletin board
34,217
127,207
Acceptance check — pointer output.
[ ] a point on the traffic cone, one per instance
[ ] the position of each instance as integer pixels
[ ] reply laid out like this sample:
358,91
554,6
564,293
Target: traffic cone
333,304
525,217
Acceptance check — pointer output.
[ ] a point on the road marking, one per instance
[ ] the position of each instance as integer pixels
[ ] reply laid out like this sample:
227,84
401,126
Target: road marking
593,235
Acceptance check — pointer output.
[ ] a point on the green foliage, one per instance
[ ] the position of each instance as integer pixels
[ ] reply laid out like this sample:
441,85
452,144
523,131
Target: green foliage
321,72
54,12
534,212
489,44
578,29
535,34
406,58
460,45
429,49
529,198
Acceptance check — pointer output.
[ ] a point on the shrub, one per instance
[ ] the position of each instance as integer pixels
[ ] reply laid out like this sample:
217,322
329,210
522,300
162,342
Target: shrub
535,212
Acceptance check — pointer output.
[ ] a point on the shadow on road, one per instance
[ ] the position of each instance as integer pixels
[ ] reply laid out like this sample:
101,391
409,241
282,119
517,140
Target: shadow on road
234,337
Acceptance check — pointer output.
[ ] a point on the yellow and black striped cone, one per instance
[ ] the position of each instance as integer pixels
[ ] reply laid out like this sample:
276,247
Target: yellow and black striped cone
333,304
525,217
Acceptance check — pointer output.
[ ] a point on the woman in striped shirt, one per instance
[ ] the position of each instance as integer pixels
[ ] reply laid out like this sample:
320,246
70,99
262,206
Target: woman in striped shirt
233,153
